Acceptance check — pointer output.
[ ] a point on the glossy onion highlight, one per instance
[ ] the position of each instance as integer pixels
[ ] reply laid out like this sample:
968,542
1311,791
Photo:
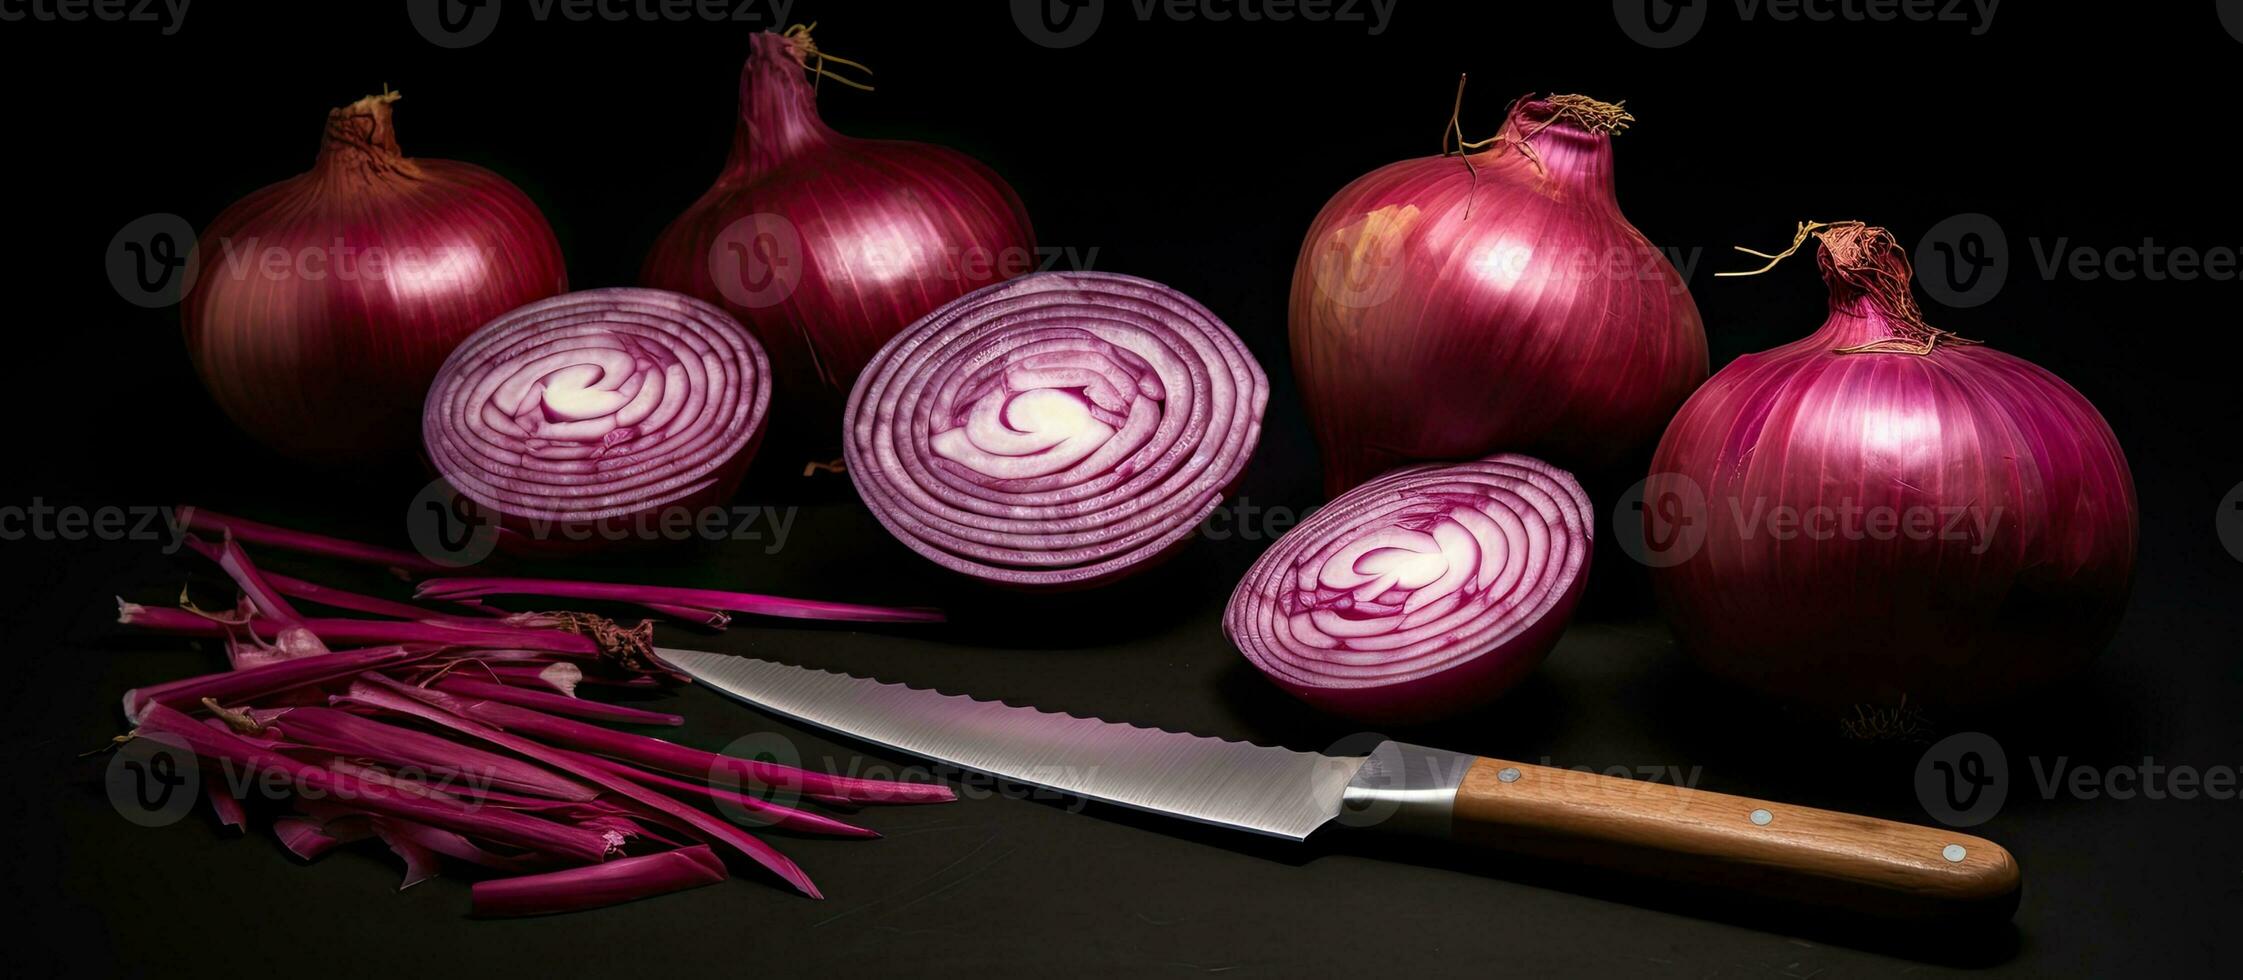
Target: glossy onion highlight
1884,510
598,407
1424,592
323,304
824,245
1059,430
1452,306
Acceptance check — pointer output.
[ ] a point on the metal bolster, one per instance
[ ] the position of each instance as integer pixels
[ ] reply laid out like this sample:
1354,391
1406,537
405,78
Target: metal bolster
1405,788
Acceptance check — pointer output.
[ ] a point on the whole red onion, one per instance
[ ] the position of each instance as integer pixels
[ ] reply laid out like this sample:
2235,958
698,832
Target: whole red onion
586,420
1426,591
1060,430
323,304
1450,306
826,246
1884,510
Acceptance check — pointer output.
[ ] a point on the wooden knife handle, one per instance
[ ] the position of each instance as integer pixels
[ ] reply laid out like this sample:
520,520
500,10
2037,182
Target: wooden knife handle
1775,850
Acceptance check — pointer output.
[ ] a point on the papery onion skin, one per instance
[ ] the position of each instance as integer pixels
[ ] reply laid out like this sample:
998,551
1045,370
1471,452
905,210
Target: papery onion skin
582,420
1448,307
383,263
824,245
1473,570
1062,430
2020,563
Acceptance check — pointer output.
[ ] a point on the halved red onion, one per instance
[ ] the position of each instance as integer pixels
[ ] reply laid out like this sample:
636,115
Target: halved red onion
597,411
1059,430
1427,591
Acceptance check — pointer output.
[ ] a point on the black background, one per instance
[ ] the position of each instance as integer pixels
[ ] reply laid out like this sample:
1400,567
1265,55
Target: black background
1195,153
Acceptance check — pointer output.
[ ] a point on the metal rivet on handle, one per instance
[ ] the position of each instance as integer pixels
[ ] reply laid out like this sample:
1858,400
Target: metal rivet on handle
1953,852
1507,774
1762,817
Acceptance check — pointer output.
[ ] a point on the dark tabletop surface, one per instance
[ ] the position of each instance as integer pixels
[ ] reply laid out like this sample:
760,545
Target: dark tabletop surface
1194,153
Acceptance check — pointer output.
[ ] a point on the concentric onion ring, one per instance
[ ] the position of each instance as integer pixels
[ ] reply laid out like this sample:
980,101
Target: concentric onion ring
598,407
1424,592
1058,430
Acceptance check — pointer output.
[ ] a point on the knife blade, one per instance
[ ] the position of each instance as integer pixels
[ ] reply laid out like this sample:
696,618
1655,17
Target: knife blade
1792,853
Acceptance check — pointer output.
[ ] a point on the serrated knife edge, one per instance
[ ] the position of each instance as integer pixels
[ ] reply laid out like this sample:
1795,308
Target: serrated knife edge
1228,782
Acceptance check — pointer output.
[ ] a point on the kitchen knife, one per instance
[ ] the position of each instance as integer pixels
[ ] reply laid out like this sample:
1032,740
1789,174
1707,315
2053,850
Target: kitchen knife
1774,850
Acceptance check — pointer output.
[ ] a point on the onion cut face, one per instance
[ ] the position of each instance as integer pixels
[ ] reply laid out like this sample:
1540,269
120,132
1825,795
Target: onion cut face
1424,592
1060,430
583,418
1884,514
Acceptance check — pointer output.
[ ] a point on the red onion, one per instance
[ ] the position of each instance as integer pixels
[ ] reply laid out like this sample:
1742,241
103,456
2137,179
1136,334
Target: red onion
1450,306
825,245
586,418
1884,510
324,303
1424,592
1063,429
